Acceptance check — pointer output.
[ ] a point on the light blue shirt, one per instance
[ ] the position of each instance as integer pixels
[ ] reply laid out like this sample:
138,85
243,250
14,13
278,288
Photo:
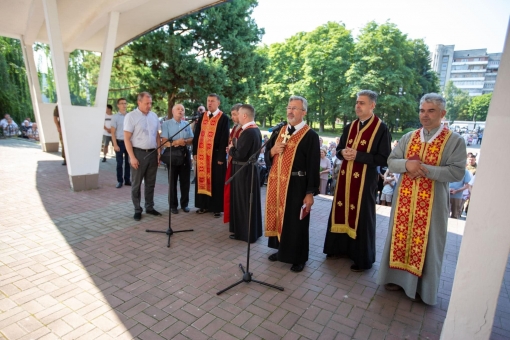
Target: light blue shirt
170,127
460,184
144,129
118,124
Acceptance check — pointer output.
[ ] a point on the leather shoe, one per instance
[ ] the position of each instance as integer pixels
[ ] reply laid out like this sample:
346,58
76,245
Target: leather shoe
185,209
217,215
296,268
232,237
174,211
201,211
392,287
154,212
64,162
127,183
119,185
355,268
137,216
273,257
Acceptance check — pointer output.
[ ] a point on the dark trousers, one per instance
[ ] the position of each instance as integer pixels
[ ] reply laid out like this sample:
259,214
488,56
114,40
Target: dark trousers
122,157
182,173
147,171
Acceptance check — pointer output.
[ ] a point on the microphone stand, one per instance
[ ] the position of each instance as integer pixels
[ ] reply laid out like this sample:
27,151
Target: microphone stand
169,231
247,276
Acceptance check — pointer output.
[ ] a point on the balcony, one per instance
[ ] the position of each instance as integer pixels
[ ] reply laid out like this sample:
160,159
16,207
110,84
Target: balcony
468,87
480,62
467,71
467,78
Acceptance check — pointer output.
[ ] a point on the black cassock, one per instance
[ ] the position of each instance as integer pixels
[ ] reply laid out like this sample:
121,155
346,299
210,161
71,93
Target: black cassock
214,203
249,143
294,240
362,249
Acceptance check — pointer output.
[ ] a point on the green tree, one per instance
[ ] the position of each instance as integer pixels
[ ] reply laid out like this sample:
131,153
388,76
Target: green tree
479,107
327,57
14,91
211,51
457,102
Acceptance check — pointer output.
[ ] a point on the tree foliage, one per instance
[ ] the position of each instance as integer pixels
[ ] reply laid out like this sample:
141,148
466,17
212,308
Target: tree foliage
479,107
457,102
14,91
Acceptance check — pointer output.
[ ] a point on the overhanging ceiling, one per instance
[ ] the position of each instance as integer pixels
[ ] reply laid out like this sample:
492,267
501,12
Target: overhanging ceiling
83,22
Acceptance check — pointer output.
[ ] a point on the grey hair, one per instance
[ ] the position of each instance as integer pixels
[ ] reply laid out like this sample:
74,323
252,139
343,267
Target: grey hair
435,99
236,107
143,94
370,94
302,99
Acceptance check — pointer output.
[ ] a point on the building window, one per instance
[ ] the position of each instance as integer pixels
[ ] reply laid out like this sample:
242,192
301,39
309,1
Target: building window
445,59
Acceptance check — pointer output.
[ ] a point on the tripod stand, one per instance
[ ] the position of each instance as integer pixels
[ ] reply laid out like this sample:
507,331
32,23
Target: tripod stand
169,231
247,276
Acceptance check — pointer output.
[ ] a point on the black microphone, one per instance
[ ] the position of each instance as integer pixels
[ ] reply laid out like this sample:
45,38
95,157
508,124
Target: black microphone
193,118
278,126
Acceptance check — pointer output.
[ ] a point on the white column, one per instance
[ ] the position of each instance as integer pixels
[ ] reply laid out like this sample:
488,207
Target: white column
486,241
43,113
103,82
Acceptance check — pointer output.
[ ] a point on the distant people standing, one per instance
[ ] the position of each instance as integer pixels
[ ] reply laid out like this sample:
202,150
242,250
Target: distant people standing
456,192
325,169
56,120
387,191
141,136
181,164
121,154
107,136
480,136
210,153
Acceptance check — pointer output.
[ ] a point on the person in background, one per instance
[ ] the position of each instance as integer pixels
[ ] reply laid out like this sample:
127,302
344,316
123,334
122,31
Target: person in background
387,191
456,192
107,135
56,120
121,154
324,170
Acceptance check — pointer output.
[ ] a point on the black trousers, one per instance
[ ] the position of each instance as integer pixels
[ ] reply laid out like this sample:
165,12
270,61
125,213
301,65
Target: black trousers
182,173
122,158
147,171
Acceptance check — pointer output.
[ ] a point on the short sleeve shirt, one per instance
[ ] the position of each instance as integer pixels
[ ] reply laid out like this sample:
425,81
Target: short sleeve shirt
460,184
107,123
144,129
118,124
170,128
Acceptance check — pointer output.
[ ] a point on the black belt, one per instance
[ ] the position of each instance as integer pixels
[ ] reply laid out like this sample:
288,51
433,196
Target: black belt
239,163
120,140
298,173
144,150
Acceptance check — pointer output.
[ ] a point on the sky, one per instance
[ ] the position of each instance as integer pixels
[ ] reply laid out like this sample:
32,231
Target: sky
467,24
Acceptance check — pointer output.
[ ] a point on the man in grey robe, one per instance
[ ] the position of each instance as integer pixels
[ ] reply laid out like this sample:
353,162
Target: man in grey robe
449,169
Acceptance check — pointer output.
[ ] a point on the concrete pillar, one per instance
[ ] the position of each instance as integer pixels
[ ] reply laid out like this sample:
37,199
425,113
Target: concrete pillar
103,82
486,241
43,112
82,127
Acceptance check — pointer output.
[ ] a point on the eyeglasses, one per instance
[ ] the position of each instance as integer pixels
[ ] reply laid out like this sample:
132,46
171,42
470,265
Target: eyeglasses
293,108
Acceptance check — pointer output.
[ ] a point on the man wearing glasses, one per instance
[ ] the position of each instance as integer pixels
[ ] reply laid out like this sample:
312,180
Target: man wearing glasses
293,154
121,154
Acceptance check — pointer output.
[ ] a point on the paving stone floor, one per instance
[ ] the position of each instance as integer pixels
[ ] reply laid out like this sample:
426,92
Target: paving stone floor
75,265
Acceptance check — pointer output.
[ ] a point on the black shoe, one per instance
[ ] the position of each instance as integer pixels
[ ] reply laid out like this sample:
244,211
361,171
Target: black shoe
296,268
355,268
127,183
154,212
217,215
138,216
64,162
201,211
232,237
119,185
104,159
174,211
185,209
273,257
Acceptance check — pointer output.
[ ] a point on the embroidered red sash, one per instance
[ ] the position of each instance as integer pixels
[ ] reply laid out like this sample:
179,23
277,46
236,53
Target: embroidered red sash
236,131
351,179
278,182
204,153
413,208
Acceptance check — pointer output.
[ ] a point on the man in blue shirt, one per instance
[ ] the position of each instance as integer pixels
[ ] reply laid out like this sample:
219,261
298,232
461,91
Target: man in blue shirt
181,140
121,154
456,190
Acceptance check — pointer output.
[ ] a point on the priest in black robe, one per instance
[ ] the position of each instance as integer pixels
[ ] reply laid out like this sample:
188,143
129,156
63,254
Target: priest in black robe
364,145
209,152
293,155
247,144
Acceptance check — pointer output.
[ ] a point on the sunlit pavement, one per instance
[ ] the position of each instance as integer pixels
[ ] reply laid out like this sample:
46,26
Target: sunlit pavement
77,266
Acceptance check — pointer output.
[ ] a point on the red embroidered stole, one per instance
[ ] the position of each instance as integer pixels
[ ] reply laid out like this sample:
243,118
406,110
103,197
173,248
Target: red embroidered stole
204,153
351,179
278,182
413,208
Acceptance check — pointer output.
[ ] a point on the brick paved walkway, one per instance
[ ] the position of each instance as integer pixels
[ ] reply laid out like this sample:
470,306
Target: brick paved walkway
77,266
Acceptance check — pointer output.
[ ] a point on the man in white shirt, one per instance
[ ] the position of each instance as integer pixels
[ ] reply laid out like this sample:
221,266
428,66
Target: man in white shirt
107,136
141,137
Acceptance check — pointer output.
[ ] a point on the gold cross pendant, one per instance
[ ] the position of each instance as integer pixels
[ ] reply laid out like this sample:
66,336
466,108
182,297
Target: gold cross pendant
285,137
